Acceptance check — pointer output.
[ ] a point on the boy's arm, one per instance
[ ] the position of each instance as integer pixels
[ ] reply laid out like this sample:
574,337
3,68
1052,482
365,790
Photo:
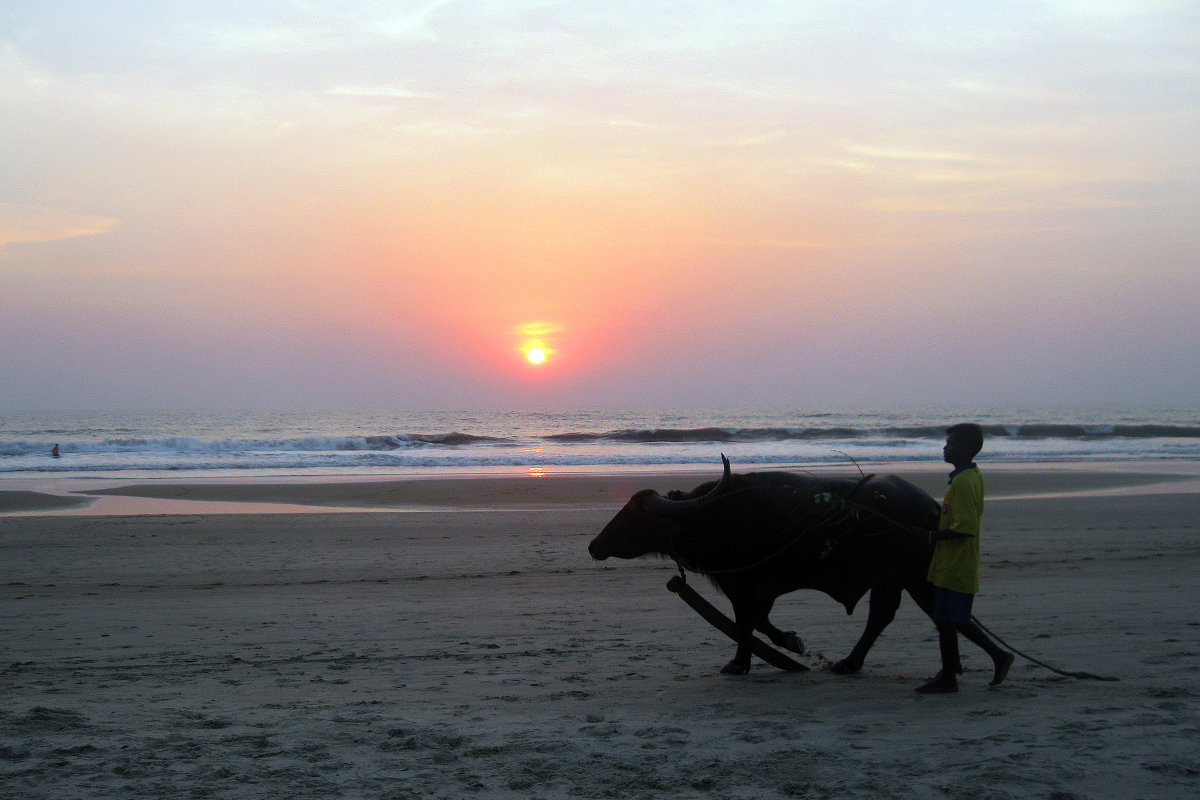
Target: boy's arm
964,508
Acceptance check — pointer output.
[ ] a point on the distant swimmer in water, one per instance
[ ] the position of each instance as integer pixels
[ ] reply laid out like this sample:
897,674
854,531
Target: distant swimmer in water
54,451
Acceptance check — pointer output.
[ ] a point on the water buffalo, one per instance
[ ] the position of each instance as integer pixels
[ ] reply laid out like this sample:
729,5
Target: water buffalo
761,535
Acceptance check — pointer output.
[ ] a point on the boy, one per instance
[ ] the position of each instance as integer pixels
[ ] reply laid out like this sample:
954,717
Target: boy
954,568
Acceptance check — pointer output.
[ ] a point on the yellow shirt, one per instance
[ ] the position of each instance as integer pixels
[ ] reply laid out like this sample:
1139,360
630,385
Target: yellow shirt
955,562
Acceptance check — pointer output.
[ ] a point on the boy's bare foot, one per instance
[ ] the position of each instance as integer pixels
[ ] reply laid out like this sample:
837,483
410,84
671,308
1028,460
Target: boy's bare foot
1002,665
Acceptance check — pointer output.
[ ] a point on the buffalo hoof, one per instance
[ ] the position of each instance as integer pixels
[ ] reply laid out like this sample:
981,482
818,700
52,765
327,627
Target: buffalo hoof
847,667
734,668
792,642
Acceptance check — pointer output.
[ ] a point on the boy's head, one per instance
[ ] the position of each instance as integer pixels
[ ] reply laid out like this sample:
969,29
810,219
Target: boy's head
963,443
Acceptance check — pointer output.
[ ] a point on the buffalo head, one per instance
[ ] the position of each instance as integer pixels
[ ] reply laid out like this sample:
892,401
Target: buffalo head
645,524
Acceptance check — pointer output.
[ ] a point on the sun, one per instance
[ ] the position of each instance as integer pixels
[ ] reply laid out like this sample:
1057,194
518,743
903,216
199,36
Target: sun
534,342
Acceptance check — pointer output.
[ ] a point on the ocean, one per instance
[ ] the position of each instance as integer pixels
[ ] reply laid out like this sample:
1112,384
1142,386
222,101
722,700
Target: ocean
445,442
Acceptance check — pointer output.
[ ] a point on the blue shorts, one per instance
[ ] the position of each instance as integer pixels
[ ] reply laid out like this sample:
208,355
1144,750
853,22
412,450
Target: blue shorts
952,607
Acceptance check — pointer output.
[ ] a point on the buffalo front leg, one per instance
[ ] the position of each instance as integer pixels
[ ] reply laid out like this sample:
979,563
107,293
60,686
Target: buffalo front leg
884,602
745,615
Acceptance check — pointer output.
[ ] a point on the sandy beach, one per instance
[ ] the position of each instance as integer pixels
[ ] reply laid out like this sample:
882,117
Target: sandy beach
451,638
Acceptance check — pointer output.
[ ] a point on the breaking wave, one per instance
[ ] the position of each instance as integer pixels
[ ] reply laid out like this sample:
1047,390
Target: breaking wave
564,440
926,432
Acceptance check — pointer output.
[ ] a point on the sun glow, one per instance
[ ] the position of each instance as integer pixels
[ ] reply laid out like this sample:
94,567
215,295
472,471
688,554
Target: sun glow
534,340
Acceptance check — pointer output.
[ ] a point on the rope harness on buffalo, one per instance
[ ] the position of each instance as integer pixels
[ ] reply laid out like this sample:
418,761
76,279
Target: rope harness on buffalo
840,511
841,517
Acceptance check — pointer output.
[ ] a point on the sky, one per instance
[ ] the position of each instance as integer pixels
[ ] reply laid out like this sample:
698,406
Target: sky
371,205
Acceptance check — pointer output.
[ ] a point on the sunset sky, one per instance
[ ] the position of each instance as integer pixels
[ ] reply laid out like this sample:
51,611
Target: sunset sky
387,204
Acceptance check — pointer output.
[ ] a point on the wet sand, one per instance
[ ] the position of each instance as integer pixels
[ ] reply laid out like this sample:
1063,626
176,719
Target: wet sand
472,648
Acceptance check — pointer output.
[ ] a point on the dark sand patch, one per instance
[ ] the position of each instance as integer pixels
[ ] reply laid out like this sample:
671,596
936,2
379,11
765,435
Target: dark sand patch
11,501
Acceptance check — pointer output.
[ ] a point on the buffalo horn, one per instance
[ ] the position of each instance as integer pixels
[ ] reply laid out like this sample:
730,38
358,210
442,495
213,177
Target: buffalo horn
662,506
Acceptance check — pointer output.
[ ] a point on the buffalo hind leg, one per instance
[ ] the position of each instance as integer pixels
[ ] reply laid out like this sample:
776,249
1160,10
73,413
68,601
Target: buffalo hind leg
884,602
